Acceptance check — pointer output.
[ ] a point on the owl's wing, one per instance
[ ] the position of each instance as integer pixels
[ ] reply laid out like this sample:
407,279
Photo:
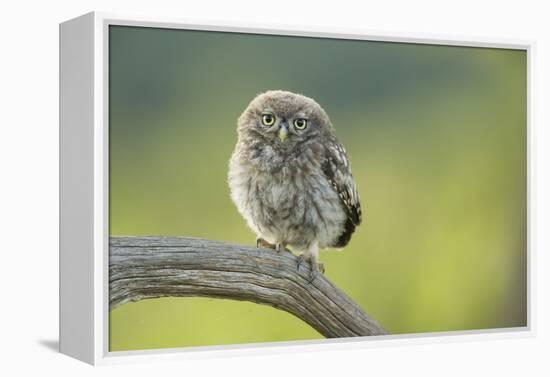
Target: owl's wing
336,168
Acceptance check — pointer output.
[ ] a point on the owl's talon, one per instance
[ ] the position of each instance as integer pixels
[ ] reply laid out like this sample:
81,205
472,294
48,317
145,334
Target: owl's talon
312,275
321,267
299,260
280,247
314,269
261,243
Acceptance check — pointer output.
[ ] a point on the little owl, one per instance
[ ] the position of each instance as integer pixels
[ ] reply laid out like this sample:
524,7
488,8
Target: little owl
290,178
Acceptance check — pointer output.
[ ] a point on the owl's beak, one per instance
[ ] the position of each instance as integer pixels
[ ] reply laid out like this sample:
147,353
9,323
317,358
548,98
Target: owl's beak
283,132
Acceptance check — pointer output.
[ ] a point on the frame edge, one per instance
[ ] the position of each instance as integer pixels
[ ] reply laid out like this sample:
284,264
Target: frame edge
76,190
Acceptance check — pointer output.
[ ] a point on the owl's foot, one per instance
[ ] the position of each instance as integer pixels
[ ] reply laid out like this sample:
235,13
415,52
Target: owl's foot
321,268
260,242
315,268
280,247
299,260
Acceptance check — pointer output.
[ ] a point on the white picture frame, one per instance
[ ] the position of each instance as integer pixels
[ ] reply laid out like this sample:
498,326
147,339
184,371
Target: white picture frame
84,238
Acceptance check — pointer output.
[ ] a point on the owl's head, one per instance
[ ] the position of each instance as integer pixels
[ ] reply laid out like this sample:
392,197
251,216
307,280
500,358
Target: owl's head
283,119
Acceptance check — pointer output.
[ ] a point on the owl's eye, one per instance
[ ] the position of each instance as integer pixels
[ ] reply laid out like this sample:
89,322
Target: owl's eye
268,119
300,123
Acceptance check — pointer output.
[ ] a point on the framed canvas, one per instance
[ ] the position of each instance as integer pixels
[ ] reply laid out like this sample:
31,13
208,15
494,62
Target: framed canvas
258,188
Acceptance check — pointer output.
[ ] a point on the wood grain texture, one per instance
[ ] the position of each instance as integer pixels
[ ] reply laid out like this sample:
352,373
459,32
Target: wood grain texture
152,267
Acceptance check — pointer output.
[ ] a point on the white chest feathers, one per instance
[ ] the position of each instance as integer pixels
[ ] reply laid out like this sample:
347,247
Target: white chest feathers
299,208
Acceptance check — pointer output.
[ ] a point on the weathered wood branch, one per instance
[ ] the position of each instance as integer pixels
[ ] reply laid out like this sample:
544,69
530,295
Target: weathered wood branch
152,267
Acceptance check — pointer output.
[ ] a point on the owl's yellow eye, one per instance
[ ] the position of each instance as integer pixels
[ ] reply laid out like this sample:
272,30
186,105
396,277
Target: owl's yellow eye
300,123
268,119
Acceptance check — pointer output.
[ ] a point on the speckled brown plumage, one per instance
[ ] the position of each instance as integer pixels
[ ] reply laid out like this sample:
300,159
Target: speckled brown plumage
290,178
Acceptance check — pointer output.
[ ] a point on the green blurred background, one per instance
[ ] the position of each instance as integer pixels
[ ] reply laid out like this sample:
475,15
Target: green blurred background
437,139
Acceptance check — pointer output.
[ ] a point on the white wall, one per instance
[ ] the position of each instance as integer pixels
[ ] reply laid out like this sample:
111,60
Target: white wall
29,186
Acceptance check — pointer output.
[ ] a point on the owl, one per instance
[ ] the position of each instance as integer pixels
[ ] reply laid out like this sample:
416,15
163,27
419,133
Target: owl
290,178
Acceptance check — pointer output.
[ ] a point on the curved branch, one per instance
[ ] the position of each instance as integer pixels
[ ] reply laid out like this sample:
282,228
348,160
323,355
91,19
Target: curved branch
152,267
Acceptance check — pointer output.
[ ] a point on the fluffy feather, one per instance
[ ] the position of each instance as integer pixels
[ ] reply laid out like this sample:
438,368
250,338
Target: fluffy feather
298,191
